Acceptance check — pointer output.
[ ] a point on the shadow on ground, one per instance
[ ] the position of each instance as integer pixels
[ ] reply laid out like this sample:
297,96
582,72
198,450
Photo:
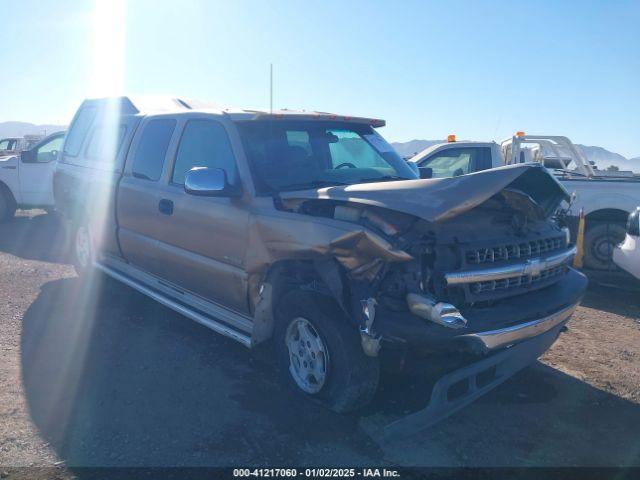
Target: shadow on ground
617,293
38,237
113,378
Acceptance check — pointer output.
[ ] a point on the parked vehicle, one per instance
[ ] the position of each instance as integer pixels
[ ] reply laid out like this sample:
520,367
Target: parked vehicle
627,254
26,178
607,198
13,145
309,230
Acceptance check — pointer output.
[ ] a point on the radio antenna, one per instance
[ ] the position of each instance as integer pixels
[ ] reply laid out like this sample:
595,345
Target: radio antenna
271,88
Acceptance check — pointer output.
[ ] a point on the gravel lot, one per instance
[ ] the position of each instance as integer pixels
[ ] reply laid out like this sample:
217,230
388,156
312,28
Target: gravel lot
95,374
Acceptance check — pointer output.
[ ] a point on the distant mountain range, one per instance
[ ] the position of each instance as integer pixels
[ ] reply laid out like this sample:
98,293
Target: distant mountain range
20,129
603,158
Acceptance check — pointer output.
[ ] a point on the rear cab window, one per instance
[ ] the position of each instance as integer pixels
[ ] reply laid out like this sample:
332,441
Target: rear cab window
78,131
149,157
97,136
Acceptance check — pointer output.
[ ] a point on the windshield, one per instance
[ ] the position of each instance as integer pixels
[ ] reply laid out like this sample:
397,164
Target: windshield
290,155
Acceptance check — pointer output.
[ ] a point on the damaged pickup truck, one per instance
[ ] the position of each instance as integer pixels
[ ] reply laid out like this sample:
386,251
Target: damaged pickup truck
307,229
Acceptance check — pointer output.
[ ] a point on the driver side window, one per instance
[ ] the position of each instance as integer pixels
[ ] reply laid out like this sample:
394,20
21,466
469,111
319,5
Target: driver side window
452,162
204,143
49,151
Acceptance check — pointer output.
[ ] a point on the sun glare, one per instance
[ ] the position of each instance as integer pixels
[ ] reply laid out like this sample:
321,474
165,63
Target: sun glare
106,80
109,39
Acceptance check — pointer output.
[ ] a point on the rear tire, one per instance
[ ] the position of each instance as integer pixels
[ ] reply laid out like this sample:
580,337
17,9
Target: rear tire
83,254
320,354
599,243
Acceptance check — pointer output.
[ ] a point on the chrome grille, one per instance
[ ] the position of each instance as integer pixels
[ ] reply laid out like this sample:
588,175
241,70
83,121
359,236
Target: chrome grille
517,282
503,253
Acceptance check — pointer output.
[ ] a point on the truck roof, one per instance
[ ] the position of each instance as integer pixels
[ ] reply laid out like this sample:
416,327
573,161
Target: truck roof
148,105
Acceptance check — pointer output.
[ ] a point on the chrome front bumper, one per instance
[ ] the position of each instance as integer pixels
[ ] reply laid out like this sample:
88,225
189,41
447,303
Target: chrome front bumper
532,267
457,389
503,337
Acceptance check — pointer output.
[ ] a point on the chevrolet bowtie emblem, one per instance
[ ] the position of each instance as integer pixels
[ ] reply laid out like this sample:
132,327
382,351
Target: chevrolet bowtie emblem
534,267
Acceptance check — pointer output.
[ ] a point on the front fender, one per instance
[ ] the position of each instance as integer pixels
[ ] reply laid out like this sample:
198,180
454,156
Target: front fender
592,200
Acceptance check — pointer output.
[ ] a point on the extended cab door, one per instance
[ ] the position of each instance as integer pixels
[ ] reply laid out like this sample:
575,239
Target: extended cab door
140,219
203,240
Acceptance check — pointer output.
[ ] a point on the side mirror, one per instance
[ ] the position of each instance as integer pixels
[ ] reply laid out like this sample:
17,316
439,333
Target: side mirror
209,182
426,172
29,156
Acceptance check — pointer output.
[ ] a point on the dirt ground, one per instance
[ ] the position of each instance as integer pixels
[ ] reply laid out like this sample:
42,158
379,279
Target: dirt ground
95,374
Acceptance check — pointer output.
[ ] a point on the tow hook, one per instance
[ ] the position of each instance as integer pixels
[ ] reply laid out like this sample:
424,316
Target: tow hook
427,307
370,341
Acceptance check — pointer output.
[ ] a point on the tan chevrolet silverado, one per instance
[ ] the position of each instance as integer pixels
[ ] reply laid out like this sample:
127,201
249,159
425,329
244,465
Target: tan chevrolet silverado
308,230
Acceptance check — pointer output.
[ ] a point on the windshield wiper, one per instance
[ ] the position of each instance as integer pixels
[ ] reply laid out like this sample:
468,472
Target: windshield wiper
313,184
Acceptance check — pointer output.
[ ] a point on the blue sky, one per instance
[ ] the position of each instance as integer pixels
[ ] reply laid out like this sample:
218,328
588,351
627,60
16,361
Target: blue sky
480,69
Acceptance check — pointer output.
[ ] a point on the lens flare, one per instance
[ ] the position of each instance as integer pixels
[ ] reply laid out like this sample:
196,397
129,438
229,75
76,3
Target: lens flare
108,52
77,312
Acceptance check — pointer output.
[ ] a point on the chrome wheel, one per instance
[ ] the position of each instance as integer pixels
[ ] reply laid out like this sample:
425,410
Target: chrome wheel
83,246
308,355
603,248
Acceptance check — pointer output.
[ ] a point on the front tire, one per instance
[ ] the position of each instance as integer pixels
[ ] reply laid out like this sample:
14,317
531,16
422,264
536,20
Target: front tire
599,243
320,354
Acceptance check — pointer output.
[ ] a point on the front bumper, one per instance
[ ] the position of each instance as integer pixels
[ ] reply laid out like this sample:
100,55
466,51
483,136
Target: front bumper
503,337
457,389
489,328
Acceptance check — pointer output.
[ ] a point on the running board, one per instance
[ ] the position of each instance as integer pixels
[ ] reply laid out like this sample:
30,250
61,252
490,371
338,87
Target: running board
177,307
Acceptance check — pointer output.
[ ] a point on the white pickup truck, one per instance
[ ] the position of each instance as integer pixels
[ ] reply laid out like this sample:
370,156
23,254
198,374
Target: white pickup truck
26,178
607,198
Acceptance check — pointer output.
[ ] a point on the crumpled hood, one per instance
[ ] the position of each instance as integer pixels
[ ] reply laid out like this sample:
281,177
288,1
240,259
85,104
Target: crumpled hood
443,198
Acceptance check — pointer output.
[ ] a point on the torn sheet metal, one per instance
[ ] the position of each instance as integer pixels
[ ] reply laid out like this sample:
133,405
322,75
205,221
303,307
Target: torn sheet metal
285,237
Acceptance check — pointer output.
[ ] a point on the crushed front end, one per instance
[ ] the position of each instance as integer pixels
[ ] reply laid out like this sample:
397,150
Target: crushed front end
487,278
